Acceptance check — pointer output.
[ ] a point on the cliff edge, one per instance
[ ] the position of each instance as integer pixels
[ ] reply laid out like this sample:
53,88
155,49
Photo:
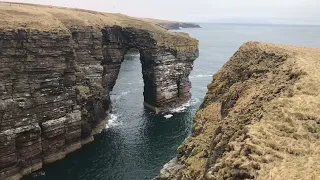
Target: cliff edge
57,68
260,118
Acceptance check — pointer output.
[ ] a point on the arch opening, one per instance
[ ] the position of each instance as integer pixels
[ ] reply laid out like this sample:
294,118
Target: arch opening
126,94
165,72
132,54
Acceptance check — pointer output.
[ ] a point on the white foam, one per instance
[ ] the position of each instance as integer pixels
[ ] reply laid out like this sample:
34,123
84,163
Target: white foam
194,101
140,82
39,173
182,108
125,93
200,76
112,121
117,97
168,116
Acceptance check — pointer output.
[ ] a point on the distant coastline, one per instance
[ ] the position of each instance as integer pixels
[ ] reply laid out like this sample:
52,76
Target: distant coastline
173,25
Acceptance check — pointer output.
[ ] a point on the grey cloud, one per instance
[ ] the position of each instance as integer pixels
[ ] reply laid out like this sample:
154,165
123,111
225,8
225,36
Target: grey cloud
268,11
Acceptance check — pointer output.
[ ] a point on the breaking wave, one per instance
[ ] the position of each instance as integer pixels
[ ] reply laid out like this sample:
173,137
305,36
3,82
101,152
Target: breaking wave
194,101
112,121
182,108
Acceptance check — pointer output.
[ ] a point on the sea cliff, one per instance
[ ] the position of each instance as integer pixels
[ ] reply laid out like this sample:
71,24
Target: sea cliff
57,68
259,120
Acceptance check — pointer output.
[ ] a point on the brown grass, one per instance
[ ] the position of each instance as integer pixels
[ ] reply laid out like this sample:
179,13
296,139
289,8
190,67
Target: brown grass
50,18
260,119
292,124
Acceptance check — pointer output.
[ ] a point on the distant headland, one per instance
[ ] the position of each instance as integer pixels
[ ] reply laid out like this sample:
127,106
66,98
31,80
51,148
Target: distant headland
172,25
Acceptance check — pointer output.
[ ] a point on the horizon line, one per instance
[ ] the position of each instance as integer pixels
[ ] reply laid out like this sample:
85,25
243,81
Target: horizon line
248,23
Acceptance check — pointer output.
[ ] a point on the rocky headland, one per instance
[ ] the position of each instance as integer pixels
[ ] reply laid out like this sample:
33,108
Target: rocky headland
260,119
57,68
172,25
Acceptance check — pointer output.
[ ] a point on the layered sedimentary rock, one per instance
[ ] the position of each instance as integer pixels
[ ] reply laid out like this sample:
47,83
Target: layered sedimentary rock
178,25
57,67
260,119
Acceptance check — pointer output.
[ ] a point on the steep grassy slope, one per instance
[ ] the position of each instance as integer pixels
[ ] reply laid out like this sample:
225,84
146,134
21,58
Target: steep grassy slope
260,118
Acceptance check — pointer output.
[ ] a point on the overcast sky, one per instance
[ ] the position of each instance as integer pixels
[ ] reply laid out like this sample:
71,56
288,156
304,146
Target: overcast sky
238,11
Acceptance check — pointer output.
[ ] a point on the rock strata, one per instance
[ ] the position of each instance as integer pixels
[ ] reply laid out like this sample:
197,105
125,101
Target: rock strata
179,25
260,119
57,68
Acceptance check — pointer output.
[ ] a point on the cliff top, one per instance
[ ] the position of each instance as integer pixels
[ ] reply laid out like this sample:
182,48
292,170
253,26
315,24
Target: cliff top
260,119
51,18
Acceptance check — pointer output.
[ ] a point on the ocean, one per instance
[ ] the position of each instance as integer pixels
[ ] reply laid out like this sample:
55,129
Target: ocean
137,143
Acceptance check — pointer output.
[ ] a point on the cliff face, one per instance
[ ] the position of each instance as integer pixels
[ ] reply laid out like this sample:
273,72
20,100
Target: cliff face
260,119
57,67
178,25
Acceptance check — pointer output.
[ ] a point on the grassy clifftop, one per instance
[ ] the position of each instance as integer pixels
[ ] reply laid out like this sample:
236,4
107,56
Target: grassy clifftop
54,19
260,118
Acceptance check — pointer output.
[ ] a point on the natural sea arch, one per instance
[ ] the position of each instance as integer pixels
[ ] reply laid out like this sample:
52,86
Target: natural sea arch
166,82
70,76
136,142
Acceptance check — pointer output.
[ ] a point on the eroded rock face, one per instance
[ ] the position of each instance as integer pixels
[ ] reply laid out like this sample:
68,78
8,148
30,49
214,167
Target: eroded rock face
54,88
178,25
259,120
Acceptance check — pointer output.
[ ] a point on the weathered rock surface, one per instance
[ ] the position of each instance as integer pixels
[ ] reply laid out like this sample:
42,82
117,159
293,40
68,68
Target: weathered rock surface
57,67
178,25
260,119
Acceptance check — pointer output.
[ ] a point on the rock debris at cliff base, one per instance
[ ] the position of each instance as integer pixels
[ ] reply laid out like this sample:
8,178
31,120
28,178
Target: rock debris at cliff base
260,118
57,68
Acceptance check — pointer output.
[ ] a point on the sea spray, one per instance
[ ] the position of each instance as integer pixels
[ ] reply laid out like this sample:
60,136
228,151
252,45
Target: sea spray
112,121
181,108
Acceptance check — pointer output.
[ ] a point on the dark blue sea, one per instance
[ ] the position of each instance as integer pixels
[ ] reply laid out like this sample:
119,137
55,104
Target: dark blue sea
136,143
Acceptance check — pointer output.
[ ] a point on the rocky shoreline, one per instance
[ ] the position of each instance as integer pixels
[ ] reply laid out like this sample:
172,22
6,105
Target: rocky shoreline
58,66
259,120
178,25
